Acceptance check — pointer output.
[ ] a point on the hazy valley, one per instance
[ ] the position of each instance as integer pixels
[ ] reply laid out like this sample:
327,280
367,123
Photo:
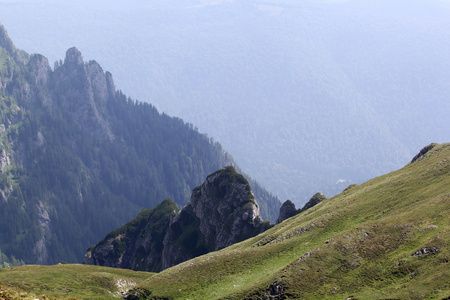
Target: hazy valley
308,96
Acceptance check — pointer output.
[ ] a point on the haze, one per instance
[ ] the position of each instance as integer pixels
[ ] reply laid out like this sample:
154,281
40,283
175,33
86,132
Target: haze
307,96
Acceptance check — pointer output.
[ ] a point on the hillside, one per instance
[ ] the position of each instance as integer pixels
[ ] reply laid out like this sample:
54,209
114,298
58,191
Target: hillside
307,95
386,238
79,158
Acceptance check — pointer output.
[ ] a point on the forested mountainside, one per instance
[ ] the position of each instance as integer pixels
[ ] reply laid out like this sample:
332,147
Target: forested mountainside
79,158
307,95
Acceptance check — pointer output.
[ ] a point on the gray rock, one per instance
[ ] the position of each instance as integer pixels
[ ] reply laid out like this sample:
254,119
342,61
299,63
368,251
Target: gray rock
422,152
222,211
287,210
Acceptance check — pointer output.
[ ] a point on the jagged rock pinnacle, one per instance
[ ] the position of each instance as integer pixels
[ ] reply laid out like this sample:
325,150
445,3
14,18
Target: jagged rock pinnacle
73,56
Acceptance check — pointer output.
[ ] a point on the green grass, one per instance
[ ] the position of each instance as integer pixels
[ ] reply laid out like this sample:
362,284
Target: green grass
69,281
358,244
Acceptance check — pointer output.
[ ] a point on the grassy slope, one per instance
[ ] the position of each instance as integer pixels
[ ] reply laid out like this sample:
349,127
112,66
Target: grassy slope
67,282
359,243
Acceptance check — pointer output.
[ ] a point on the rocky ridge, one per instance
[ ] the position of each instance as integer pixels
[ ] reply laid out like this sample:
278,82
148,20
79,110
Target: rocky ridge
288,209
222,211
136,245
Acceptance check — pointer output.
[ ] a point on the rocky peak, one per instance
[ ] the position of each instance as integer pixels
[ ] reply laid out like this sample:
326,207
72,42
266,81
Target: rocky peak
40,69
226,207
287,210
83,90
316,199
7,44
222,211
102,84
110,84
73,57
19,56
5,41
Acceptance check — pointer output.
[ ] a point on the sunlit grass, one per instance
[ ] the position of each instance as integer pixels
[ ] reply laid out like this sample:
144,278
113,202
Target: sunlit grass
71,281
361,244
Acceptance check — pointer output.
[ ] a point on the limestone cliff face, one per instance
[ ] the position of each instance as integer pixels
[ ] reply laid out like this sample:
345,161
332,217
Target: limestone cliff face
83,89
226,207
287,210
222,211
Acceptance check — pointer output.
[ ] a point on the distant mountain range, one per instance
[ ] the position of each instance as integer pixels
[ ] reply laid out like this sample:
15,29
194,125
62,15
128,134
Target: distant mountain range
309,96
79,158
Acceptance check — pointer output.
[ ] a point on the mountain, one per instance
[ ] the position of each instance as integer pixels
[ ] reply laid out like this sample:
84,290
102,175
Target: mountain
78,158
307,95
221,212
385,238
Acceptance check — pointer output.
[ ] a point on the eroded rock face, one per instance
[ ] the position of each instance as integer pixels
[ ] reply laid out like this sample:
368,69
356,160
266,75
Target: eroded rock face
138,244
40,250
42,71
73,57
226,207
287,210
316,199
82,90
422,153
222,211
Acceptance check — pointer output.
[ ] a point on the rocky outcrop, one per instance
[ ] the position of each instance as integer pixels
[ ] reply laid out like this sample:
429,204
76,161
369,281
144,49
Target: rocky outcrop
288,210
422,152
40,70
40,250
222,211
136,245
82,90
316,199
4,160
